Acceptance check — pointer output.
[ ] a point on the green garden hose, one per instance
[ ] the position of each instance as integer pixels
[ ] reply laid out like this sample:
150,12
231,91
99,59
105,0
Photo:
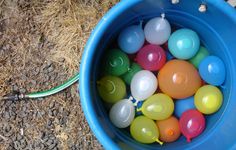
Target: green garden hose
18,96
55,89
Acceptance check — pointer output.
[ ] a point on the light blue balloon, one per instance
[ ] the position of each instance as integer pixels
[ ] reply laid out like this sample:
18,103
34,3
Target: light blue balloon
184,44
212,70
131,39
182,105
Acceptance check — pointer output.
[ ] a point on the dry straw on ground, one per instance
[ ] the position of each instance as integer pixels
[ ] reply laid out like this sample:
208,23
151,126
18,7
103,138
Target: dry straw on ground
41,42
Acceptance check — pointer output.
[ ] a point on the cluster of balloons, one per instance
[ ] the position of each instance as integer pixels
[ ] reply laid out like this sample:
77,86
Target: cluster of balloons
173,77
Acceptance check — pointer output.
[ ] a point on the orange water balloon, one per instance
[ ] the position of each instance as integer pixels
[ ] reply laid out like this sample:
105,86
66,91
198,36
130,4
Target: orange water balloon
179,79
169,129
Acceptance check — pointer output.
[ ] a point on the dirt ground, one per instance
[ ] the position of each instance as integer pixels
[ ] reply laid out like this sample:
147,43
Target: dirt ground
41,42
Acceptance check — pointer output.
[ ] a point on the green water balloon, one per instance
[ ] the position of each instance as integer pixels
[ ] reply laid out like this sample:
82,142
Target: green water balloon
111,89
202,53
144,130
134,68
116,62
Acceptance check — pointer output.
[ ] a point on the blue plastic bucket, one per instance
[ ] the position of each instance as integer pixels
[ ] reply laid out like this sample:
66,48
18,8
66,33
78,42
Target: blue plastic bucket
217,29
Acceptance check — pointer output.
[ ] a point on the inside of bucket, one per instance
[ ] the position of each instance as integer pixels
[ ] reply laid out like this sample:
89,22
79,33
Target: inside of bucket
210,38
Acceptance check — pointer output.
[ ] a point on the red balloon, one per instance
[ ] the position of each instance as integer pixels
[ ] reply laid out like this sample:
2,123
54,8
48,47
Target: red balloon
151,57
191,123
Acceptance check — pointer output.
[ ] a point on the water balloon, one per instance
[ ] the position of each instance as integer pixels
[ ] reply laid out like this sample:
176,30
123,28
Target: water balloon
134,68
212,70
122,113
131,39
169,129
192,124
116,62
201,54
158,107
179,79
111,89
183,105
144,130
184,43
143,85
151,57
208,99
157,30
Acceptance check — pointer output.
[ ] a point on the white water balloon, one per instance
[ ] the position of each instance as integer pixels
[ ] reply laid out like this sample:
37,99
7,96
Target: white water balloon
157,30
143,85
122,113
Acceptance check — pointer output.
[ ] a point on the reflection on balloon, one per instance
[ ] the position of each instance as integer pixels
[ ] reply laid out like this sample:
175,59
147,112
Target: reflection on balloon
158,107
169,129
208,99
131,39
122,113
212,70
144,130
151,57
143,85
111,89
157,30
116,62
192,124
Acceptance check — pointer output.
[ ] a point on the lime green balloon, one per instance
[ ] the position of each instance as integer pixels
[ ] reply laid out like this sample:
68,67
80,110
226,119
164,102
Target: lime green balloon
144,130
158,107
116,62
202,53
111,89
134,68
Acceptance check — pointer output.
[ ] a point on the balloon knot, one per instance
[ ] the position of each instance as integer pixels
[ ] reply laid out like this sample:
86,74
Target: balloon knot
160,142
188,139
163,15
141,23
171,132
139,109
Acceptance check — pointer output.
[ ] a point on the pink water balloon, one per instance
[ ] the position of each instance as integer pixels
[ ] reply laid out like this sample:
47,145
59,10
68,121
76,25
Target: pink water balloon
151,57
191,123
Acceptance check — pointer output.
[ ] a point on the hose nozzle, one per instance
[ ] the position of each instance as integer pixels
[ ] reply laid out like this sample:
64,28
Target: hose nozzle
13,97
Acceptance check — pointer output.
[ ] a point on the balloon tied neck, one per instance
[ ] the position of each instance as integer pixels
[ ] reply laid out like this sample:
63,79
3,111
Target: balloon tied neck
129,69
170,132
188,139
139,109
141,23
158,141
163,15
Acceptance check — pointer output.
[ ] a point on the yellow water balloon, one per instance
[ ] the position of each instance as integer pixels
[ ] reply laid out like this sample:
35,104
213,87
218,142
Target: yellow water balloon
158,107
208,99
144,130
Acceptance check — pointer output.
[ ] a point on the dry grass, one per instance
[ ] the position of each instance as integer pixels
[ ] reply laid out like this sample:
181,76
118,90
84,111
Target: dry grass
68,24
33,33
